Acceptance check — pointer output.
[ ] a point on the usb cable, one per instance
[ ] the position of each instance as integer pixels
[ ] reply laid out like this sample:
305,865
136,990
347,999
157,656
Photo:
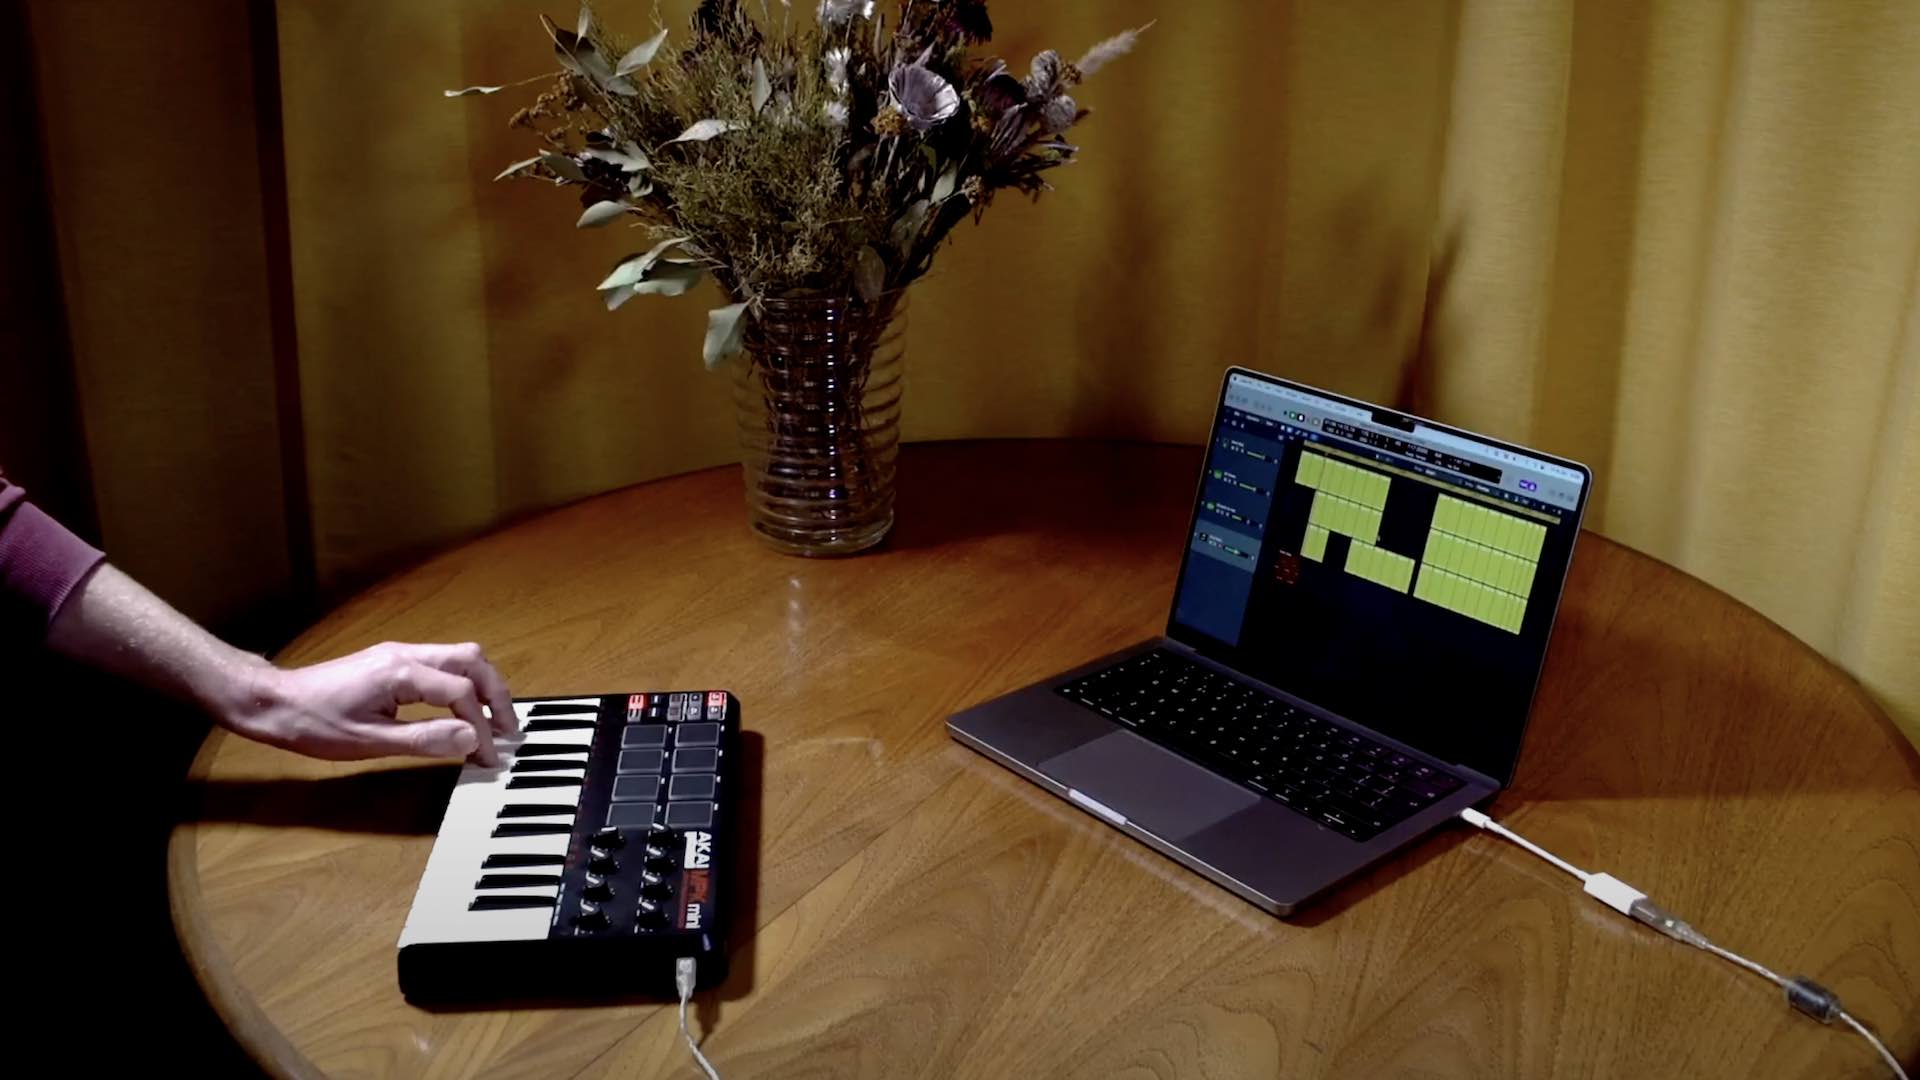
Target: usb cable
1802,993
683,978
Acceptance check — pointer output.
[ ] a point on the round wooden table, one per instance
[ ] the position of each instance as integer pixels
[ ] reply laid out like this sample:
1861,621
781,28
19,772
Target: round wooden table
918,911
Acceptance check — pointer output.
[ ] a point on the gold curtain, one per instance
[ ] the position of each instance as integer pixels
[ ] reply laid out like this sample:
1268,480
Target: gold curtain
1678,241
149,145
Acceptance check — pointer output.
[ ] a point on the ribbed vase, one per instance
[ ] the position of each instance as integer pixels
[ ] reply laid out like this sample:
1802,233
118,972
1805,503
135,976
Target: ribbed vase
817,392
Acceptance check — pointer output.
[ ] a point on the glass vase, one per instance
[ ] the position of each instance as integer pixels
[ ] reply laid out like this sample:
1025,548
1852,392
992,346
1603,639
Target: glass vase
817,391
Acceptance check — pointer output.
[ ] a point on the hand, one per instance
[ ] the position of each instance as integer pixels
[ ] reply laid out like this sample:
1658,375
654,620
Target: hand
346,709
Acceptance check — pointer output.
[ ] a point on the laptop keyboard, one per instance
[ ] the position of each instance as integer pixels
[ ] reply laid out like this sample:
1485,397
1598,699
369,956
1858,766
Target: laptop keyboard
1328,773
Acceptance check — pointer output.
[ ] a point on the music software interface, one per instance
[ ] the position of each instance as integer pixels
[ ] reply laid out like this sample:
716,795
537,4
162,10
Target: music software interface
1392,572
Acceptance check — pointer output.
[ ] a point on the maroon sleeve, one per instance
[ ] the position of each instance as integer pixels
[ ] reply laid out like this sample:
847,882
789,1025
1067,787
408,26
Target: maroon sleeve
40,563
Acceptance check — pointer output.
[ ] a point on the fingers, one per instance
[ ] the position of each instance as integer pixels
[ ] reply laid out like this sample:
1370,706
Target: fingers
469,662
445,738
417,682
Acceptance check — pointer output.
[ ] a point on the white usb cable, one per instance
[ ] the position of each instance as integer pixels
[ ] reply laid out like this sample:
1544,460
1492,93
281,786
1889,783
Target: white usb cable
683,979
1802,993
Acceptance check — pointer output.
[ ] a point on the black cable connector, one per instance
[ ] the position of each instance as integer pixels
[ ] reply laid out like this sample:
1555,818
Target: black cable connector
1813,999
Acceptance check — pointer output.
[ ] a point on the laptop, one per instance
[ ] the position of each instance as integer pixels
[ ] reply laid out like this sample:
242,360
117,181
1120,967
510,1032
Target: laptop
1357,631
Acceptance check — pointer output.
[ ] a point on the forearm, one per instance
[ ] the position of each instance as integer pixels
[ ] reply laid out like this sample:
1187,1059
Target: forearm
340,709
112,623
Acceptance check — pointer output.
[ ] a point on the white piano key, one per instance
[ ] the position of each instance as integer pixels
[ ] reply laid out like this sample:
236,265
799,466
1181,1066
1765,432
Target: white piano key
568,797
575,751
475,892
441,909
580,737
538,798
510,924
513,924
510,750
531,819
521,845
505,745
525,708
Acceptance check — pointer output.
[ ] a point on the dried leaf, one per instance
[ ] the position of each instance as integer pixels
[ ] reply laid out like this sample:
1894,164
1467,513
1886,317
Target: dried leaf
566,44
703,130
632,269
906,228
870,274
762,88
600,213
586,19
563,166
580,56
660,249
724,326
641,55
943,187
669,279
620,159
517,167
666,279
469,91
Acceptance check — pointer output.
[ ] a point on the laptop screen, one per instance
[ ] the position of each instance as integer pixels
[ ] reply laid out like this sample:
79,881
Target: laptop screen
1395,572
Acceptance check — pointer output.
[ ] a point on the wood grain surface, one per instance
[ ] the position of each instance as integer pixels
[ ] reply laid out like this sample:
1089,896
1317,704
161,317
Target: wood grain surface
918,911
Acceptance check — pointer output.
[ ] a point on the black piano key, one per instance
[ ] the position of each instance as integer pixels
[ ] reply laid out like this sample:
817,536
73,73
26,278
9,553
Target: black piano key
503,903
538,749
547,766
509,861
516,881
529,828
533,727
564,708
544,781
536,810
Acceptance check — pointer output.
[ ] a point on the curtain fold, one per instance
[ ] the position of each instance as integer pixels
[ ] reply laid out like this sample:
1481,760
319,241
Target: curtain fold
1678,241
150,148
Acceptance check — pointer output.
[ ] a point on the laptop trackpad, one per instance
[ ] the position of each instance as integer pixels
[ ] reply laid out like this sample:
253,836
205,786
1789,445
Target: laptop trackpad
1155,788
